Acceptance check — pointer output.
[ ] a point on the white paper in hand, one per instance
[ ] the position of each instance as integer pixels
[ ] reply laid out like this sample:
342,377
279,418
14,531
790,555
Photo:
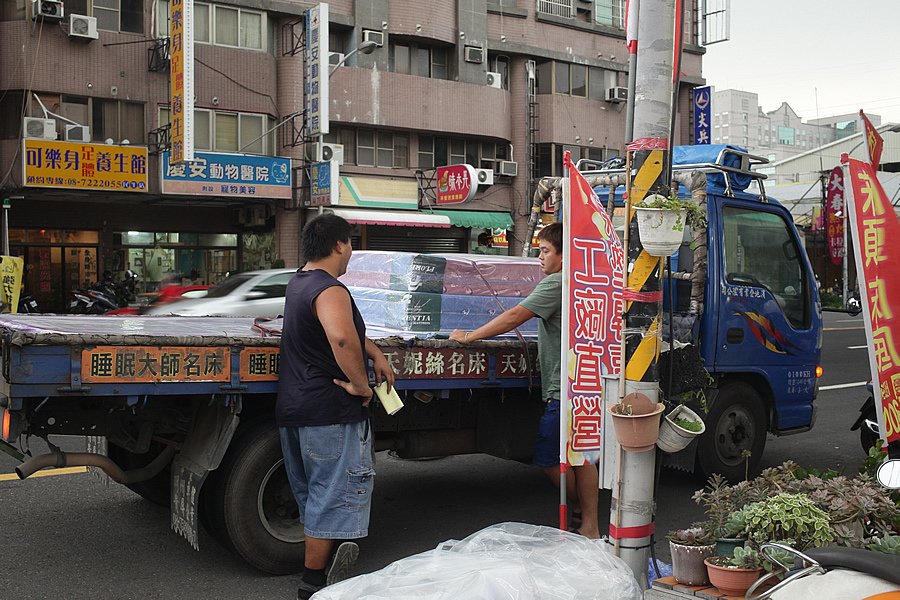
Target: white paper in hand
389,400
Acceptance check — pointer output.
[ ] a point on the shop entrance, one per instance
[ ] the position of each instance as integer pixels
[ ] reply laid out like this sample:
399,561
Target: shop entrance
57,261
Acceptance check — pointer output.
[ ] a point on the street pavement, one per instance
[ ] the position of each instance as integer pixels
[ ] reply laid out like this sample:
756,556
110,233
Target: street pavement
68,536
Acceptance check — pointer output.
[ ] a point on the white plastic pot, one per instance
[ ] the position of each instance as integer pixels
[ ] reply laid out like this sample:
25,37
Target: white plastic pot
673,438
657,228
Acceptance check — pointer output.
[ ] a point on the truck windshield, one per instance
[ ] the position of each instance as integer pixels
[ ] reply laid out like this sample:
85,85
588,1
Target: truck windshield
761,252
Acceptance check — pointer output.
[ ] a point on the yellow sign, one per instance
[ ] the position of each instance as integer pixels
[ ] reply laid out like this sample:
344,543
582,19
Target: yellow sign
11,268
148,364
75,165
181,83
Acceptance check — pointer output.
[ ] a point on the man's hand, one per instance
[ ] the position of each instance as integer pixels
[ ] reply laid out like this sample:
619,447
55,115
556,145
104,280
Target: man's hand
353,389
383,371
458,335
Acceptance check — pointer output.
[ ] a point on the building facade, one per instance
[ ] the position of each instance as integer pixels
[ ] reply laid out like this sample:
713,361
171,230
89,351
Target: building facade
505,86
778,134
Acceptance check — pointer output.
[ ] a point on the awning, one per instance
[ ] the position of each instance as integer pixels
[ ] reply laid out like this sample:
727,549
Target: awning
401,218
476,218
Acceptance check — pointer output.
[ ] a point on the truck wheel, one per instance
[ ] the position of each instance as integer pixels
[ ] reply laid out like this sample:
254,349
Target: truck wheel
156,489
252,504
736,423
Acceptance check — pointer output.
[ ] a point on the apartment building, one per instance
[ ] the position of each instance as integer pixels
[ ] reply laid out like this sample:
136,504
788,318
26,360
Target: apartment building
502,85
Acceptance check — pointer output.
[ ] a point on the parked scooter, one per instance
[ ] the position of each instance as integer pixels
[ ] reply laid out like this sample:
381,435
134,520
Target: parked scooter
867,422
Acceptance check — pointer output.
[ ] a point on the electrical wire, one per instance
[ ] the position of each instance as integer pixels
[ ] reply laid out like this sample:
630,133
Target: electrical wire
238,83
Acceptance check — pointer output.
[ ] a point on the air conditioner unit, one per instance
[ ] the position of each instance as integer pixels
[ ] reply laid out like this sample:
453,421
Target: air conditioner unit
49,10
81,26
474,54
509,168
484,176
494,80
335,58
78,133
40,128
617,94
370,35
325,151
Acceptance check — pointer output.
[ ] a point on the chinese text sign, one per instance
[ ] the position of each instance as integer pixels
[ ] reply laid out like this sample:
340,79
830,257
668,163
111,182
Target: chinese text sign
835,215
74,165
181,84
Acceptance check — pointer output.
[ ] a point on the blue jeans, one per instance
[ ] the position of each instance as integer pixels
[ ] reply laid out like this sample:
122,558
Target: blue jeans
546,448
331,475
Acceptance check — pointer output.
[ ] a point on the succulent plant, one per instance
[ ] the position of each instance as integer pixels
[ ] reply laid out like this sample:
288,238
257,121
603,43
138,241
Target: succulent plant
696,535
793,516
746,558
889,544
736,524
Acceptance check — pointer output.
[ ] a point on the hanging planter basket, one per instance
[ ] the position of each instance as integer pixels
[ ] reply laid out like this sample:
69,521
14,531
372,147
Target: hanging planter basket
639,431
661,229
672,436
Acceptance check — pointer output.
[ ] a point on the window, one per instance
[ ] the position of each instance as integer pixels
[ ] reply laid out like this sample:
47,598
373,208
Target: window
543,74
370,148
118,121
230,131
424,61
760,252
550,157
556,8
572,79
786,136
219,25
600,80
119,15
500,64
441,151
610,12
563,83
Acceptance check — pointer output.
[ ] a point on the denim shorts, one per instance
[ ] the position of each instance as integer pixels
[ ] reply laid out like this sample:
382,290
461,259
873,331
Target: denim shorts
331,475
546,448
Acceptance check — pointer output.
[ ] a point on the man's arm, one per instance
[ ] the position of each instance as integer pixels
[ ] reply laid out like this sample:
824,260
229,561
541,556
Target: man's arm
383,370
506,321
335,313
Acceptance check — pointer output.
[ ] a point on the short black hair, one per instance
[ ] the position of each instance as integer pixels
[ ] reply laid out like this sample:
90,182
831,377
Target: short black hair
321,234
553,233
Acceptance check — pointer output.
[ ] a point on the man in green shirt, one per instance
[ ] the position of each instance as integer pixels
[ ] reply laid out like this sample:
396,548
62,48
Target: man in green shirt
545,302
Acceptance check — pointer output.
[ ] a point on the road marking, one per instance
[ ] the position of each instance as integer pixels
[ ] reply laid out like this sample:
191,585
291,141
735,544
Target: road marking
857,347
45,473
841,328
841,386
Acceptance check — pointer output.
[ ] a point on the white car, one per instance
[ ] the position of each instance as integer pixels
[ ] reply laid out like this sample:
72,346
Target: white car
250,294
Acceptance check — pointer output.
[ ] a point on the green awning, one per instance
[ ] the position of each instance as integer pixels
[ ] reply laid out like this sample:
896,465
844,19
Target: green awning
476,218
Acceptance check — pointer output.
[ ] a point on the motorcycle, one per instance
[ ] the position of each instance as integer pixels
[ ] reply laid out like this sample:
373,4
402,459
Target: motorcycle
867,422
27,304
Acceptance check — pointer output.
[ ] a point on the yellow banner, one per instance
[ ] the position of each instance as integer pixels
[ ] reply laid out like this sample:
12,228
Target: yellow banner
11,268
75,165
181,83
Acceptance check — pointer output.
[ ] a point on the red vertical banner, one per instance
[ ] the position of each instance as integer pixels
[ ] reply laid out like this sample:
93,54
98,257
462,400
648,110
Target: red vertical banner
874,141
593,276
873,223
835,215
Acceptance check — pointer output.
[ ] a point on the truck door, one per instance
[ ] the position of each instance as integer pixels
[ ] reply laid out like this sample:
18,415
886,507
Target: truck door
768,322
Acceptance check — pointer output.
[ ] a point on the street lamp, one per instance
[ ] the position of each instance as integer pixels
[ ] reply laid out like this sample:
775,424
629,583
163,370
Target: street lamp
366,48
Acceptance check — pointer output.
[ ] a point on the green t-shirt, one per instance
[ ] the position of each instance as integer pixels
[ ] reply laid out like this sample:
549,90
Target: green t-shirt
546,302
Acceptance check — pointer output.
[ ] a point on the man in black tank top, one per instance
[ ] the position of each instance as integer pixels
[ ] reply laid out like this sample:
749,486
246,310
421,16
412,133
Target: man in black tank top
322,407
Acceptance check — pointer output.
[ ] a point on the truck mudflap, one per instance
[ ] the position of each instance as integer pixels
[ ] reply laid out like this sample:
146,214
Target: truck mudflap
214,425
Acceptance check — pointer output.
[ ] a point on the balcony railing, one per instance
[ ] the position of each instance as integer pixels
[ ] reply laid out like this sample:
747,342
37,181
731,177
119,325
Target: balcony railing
556,8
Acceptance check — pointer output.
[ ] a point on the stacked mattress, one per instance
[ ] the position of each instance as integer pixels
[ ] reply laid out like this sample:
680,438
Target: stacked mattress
438,293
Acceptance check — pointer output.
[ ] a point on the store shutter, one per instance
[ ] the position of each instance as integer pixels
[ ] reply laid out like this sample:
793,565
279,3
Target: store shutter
410,239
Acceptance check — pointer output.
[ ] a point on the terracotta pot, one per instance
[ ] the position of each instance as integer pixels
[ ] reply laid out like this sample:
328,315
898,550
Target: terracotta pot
637,433
687,563
731,581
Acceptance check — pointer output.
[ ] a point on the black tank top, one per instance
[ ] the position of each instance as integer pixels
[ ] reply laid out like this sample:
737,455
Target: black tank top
307,395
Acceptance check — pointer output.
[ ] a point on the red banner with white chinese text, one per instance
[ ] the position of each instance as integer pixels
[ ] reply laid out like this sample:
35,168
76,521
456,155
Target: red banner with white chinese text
875,231
835,212
593,277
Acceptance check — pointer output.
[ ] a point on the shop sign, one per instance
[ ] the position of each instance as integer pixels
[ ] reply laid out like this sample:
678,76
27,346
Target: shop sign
377,192
317,70
260,364
456,184
702,114
237,175
181,79
74,165
499,239
323,183
835,215
149,364
11,268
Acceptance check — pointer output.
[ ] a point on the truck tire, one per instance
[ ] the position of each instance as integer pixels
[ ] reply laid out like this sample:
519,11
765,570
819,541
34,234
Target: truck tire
157,489
252,505
736,422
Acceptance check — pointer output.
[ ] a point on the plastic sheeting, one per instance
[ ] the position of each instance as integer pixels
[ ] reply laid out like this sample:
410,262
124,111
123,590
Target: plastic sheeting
508,561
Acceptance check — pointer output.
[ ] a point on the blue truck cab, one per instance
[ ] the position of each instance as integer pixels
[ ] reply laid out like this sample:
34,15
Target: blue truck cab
758,329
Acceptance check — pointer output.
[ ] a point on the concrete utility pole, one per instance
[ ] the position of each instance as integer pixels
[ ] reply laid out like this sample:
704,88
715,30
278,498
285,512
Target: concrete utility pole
631,515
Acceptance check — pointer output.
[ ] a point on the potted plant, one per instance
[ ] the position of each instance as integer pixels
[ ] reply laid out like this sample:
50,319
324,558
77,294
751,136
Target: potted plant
792,517
636,421
733,575
661,220
689,548
732,533
678,428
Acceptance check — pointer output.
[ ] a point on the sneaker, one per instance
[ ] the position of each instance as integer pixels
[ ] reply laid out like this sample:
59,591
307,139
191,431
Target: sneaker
343,560
306,590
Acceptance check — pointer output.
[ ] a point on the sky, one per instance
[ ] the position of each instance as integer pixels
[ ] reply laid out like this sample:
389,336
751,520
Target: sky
845,52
